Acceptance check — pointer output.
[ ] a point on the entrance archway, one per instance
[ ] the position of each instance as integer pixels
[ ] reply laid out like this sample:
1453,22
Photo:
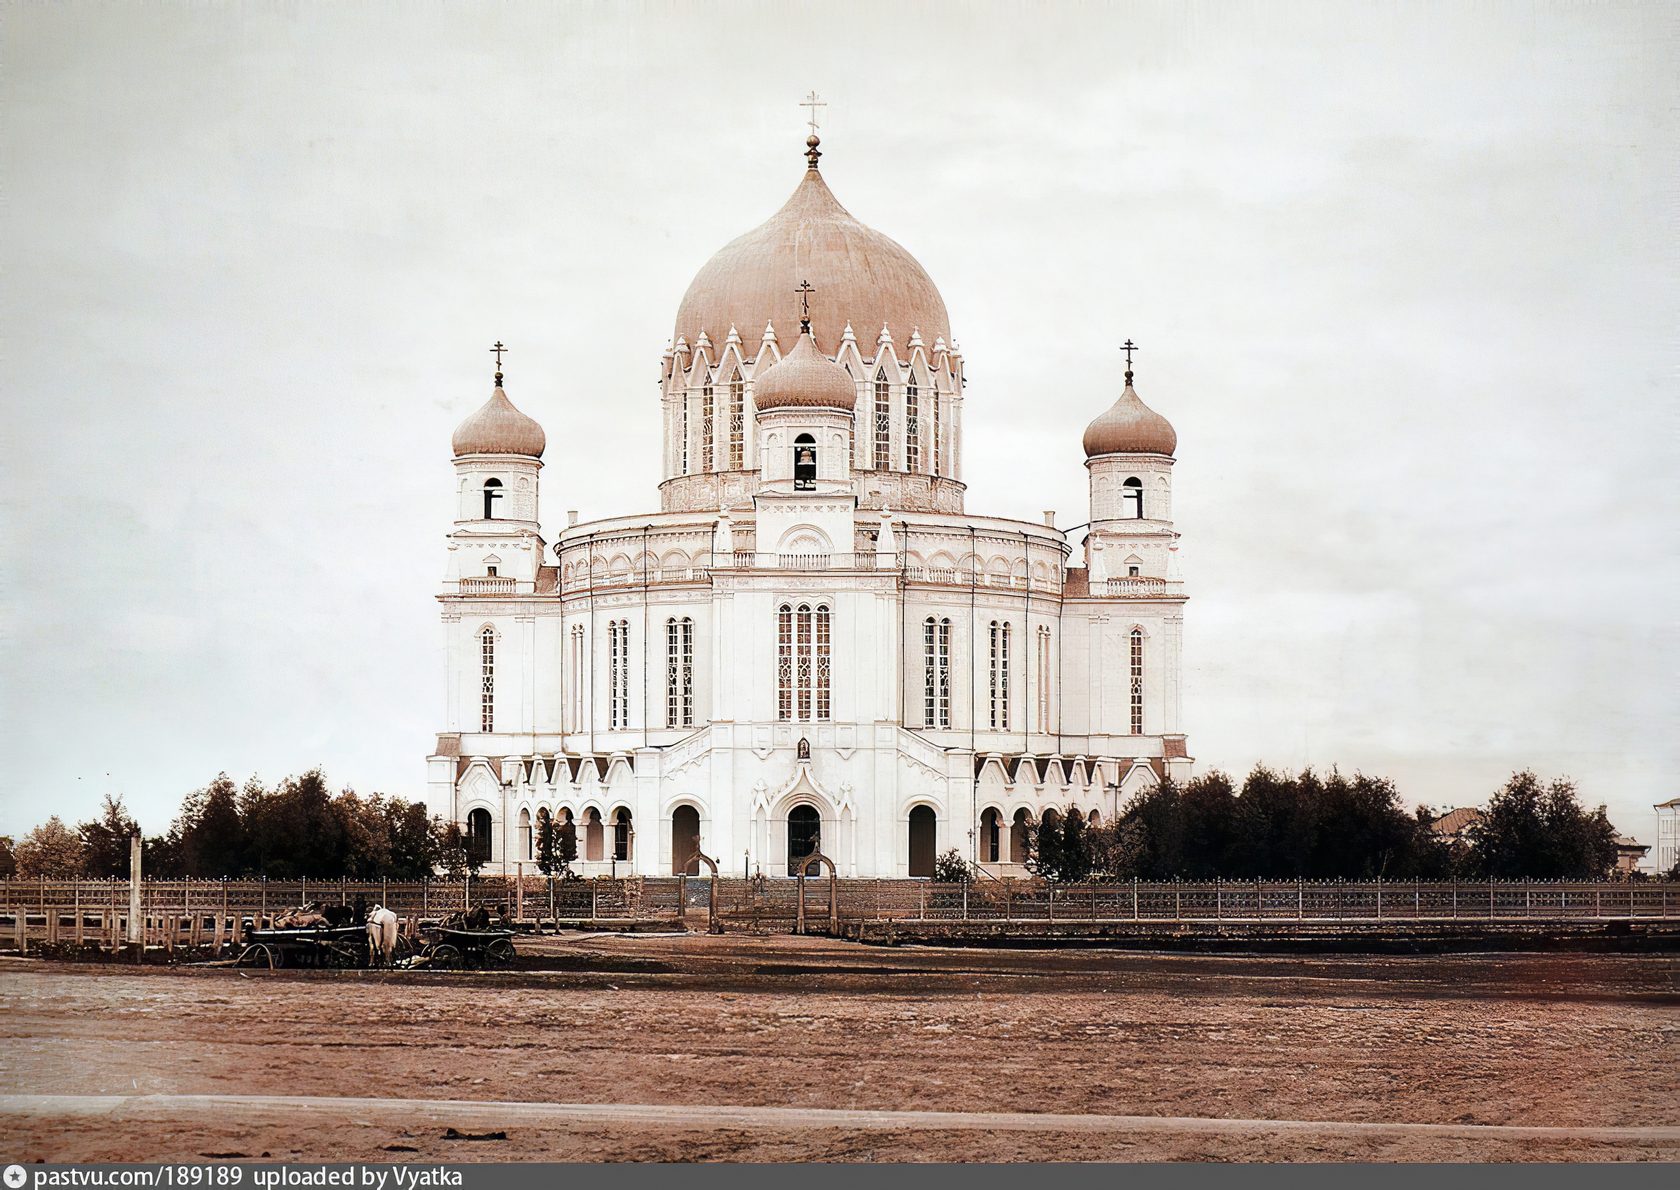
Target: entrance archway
924,828
685,841
478,834
989,836
592,835
1018,837
804,835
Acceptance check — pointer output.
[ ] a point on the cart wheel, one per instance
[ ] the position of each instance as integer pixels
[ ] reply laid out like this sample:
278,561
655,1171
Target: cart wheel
402,954
499,953
258,955
445,956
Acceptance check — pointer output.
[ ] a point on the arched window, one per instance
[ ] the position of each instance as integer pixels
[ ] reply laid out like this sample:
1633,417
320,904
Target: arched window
883,422
526,851
737,422
802,662
1018,829
1137,681
804,463
487,679
492,493
618,673
912,426
679,672
708,427
621,834
1044,674
478,834
936,672
1000,675
990,836
592,835
804,835
1131,498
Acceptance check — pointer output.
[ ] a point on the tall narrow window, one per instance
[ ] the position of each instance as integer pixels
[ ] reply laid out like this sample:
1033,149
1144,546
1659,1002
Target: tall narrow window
1000,675
934,446
883,422
1044,672
492,493
682,435
1137,681
1131,498
618,673
679,672
487,679
708,427
803,646
737,423
912,426
936,676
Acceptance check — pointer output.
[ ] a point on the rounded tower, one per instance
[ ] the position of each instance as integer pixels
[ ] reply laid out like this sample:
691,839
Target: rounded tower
498,454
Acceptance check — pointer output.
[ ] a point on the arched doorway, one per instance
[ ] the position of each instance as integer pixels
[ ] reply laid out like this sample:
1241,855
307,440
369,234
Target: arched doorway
621,834
1018,837
923,840
804,835
990,836
685,841
478,834
593,843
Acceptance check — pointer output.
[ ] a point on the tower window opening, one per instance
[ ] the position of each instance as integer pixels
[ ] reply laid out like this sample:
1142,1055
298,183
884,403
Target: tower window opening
487,679
492,493
682,434
804,463
737,423
1133,572
1131,498
1137,681
883,422
802,662
574,678
1044,679
935,450
708,428
912,427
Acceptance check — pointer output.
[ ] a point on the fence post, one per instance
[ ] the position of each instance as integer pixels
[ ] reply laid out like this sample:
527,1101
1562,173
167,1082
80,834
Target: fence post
1455,900
1300,900
921,901
1379,898
1218,899
1134,899
1178,901
965,900
594,891
78,915
1052,909
1490,898
1008,899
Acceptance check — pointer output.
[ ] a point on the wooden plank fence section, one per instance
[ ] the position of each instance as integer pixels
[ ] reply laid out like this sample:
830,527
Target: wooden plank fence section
214,913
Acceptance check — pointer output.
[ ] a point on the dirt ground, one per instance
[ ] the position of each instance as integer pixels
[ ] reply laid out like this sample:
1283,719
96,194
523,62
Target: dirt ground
1576,1041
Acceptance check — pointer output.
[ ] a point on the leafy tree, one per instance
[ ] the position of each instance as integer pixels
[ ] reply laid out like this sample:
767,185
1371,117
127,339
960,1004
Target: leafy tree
413,846
105,840
1541,832
548,859
952,868
210,832
51,849
8,856
1061,847
568,851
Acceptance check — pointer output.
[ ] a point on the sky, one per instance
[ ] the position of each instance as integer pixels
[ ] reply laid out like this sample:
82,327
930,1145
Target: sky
1403,277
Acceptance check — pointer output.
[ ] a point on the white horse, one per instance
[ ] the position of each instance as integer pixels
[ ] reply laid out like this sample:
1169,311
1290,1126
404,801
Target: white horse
382,936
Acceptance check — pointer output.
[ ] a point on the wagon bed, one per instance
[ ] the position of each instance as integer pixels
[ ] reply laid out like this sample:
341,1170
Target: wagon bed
450,947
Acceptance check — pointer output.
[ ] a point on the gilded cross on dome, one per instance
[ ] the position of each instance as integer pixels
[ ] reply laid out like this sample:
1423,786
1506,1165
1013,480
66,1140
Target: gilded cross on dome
811,101
805,291
1128,347
498,349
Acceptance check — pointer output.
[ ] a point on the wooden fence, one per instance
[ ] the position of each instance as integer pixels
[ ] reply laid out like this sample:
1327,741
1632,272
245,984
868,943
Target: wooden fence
209,912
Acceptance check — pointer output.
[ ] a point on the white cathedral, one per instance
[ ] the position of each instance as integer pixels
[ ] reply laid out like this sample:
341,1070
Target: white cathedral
812,646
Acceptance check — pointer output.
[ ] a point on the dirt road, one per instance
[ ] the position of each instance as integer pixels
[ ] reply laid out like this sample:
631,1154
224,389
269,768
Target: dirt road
1581,1043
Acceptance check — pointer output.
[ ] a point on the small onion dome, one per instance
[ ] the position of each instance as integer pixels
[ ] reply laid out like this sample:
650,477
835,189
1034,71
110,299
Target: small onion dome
499,429
1130,427
804,378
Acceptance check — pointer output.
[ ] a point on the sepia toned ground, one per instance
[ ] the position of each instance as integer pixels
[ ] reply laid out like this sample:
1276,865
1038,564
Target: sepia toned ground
677,1048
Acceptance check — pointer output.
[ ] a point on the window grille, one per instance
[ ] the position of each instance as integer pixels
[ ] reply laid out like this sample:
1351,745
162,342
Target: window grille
803,663
708,428
679,672
883,423
912,427
737,423
487,679
1137,681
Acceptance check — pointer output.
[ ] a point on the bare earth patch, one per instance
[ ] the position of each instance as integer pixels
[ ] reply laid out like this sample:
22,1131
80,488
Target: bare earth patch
1578,1041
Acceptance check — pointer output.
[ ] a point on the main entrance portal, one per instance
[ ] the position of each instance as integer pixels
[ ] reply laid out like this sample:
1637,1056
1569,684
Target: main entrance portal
804,835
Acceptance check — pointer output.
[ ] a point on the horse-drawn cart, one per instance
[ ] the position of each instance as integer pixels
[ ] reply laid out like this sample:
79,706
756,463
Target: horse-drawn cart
305,946
451,947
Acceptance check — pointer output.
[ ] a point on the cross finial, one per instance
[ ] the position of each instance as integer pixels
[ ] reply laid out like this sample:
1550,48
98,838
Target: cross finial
805,291
1128,347
498,349
813,103
811,142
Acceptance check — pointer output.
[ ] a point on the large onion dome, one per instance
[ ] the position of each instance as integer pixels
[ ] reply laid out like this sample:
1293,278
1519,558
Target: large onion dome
1130,427
499,429
859,276
804,378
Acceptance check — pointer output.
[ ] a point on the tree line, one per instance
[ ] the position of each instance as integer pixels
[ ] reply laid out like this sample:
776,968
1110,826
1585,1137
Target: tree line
1307,827
1276,826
